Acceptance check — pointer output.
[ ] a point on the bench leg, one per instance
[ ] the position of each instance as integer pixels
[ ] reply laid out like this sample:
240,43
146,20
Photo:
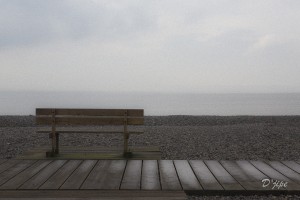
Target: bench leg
125,143
57,143
53,138
126,153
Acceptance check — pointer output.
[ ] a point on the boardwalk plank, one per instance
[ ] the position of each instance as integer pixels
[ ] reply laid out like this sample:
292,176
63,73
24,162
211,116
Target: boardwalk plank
291,174
107,174
252,171
79,175
275,175
14,170
92,195
293,165
168,175
8,164
132,176
247,180
22,177
57,179
186,175
150,175
37,180
206,178
224,178
2,161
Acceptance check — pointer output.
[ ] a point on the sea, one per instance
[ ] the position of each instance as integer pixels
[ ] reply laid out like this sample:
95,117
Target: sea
154,104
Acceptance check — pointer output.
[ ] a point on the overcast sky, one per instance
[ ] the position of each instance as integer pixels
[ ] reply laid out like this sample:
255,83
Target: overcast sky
150,45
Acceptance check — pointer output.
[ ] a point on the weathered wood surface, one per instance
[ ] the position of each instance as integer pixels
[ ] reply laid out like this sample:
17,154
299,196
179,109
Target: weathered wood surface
90,131
92,153
57,117
79,175
248,180
107,174
55,181
150,175
2,161
8,164
293,165
14,170
61,121
221,174
275,175
202,177
91,112
92,195
286,171
186,175
168,175
38,179
132,175
21,178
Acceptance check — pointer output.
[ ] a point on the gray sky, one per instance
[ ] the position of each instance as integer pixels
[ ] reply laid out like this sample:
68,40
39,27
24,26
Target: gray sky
150,45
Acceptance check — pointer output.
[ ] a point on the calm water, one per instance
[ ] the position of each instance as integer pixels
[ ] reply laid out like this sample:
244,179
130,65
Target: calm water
24,103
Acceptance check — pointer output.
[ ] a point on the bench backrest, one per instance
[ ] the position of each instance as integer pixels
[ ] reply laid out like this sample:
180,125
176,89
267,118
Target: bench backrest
62,117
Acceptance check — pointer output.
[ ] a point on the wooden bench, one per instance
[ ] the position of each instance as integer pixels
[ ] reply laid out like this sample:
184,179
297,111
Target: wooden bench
57,119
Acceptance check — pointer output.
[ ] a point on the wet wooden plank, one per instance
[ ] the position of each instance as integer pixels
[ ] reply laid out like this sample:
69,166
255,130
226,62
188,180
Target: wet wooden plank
92,195
61,121
247,180
286,171
76,179
107,174
57,179
186,175
206,178
22,177
168,175
38,179
224,178
2,161
132,176
105,154
275,175
8,164
90,131
14,170
91,112
252,171
268,170
150,175
293,165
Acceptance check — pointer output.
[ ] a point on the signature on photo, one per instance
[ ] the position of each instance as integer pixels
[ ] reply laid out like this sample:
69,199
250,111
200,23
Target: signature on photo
275,184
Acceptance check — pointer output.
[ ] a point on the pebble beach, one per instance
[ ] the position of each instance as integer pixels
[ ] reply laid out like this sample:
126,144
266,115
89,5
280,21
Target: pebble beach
180,137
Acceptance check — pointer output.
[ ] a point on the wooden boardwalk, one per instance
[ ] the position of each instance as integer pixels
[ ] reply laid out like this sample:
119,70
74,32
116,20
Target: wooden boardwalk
203,177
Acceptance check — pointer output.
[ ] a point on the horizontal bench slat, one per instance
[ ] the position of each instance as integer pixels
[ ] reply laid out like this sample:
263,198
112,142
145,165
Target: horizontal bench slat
91,112
88,121
87,131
